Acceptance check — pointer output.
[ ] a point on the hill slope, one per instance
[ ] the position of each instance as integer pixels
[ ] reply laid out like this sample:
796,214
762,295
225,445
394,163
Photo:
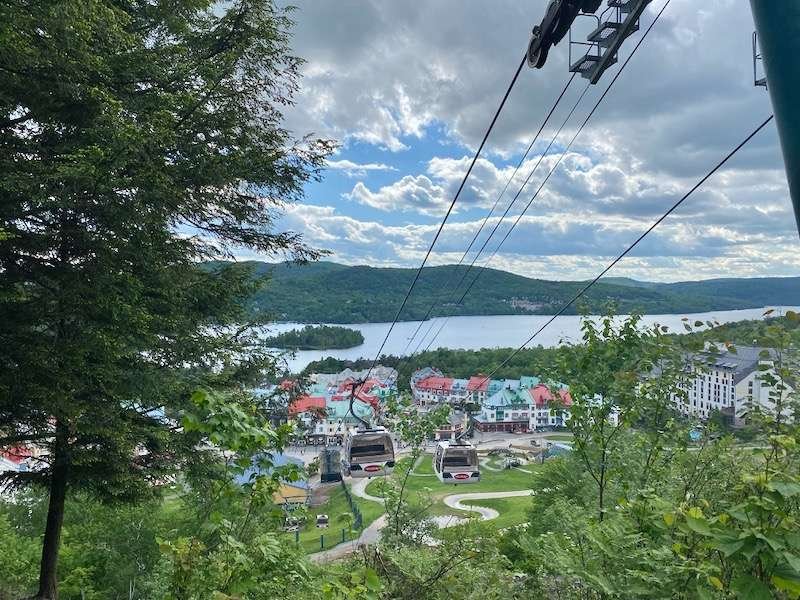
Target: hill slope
333,293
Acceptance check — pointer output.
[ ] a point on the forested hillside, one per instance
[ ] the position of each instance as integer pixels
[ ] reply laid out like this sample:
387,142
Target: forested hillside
334,293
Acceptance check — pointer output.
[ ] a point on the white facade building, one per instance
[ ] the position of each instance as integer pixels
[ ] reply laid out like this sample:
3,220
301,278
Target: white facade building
730,383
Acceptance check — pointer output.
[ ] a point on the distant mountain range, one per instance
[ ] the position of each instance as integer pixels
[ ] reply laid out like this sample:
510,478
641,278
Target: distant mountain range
334,293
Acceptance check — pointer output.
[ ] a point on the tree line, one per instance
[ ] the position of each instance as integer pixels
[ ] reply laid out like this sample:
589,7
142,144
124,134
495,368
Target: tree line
317,337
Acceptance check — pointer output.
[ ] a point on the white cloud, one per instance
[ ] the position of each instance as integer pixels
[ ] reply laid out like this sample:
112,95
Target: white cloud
410,193
382,73
353,169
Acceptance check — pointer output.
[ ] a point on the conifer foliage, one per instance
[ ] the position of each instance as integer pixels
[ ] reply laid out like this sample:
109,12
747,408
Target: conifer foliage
136,139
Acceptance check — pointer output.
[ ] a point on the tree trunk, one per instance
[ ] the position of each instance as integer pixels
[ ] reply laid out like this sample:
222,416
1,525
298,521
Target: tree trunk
48,582
602,485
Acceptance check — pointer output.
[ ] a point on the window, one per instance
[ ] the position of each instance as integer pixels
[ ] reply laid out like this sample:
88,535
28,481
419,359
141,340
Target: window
460,458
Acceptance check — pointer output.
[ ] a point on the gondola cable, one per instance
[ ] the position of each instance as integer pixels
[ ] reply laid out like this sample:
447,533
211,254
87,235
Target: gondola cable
561,157
447,214
502,218
490,213
613,263
353,387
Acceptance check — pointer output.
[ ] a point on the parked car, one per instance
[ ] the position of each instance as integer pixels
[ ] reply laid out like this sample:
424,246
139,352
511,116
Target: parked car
322,521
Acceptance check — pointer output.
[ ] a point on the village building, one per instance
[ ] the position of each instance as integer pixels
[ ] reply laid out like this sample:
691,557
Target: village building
510,405
731,383
507,410
324,412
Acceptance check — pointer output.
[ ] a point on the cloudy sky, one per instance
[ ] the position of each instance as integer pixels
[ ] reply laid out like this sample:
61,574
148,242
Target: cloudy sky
408,89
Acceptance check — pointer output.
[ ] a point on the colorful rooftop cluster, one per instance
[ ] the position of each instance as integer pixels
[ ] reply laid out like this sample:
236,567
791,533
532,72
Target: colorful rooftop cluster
329,397
522,404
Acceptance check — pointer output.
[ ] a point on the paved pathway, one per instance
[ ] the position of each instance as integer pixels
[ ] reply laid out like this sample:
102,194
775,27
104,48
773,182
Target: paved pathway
456,500
359,488
368,536
485,465
371,534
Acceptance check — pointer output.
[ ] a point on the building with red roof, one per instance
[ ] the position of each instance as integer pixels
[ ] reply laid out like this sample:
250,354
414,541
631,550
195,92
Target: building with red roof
505,405
547,410
305,404
324,411
15,458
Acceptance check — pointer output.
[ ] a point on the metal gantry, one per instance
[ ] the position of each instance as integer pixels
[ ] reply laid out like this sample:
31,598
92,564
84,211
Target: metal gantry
778,25
614,25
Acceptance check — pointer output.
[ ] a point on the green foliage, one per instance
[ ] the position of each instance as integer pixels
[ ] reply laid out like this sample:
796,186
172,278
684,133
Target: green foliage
19,556
333,293
465,563
611,379
231,547
316,337
407,521
137,140
361,584
706,521
107,550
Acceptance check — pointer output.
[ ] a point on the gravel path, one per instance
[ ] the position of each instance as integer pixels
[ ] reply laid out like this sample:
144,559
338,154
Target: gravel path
368,536
485,465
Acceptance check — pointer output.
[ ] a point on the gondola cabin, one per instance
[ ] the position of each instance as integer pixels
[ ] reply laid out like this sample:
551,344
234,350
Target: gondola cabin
455,462
368,453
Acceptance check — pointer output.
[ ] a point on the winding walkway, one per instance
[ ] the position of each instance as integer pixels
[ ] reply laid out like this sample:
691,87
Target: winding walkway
456,501
371,534
485,465
359,488
368,536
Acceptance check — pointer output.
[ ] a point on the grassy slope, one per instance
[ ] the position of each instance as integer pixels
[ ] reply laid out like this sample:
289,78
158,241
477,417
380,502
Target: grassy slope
417,485
513,511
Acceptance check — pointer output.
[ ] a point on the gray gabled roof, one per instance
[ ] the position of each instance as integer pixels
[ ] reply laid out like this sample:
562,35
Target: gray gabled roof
742,363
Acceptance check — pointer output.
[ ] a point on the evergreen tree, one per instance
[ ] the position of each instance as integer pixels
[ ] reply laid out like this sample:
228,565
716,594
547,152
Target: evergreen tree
136,139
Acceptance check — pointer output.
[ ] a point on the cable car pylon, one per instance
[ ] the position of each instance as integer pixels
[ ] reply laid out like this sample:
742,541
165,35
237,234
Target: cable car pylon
778,27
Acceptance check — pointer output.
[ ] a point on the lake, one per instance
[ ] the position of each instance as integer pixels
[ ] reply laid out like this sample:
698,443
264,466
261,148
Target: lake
473,333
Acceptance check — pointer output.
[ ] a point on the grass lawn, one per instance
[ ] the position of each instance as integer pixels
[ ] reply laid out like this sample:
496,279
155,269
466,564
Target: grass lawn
491,481
425,467
513,511
334,507
560,437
